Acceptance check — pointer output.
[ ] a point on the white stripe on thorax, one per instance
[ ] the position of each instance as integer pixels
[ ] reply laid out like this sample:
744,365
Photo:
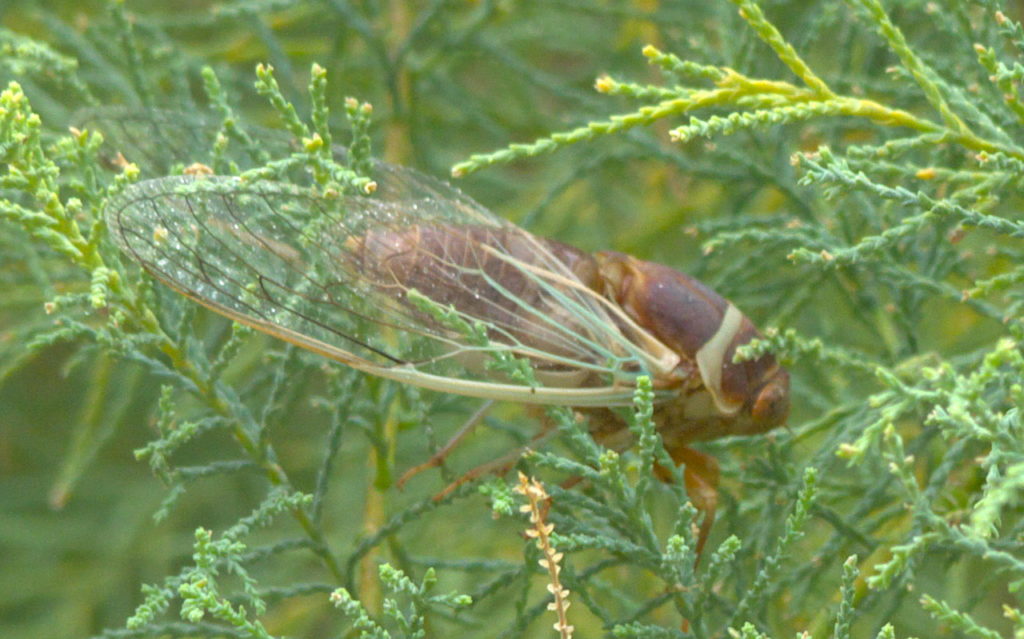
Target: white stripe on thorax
711,358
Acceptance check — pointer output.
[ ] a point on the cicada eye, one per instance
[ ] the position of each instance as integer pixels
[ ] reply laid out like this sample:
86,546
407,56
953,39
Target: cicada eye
771,407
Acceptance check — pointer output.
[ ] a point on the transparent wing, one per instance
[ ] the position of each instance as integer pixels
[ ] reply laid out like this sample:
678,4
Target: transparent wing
341,276
335,276
157,139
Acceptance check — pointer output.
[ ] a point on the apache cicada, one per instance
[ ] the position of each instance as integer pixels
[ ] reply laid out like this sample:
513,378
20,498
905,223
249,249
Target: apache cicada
347,277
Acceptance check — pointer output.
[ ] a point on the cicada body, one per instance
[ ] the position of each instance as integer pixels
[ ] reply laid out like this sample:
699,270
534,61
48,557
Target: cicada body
661,308
347,277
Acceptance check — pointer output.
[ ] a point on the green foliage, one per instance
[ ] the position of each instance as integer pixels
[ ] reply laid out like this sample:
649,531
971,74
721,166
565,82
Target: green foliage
407,624
198,585
847,173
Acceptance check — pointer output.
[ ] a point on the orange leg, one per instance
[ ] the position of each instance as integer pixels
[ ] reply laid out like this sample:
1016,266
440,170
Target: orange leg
438,458
498,466
701,478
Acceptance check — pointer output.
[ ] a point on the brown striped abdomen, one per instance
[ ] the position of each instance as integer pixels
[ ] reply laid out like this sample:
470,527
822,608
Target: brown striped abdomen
480,272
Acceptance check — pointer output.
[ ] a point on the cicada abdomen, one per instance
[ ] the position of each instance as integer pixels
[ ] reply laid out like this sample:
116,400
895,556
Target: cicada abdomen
501,276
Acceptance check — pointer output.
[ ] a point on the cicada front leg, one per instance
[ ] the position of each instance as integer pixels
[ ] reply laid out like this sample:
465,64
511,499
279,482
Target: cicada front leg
700,474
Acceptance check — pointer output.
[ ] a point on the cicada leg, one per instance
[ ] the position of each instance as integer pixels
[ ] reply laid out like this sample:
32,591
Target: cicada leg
700,474
498,466
438,458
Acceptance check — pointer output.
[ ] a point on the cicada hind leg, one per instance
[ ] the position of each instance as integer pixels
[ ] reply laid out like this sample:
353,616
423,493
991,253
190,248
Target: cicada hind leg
441,455
498,467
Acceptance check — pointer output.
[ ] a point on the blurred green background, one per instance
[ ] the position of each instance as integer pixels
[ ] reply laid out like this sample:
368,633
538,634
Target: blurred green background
447,79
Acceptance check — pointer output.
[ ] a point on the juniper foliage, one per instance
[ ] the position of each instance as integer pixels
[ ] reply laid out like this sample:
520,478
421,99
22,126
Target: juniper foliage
846,172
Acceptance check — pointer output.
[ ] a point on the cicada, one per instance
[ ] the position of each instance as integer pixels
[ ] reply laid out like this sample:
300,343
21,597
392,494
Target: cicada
419,284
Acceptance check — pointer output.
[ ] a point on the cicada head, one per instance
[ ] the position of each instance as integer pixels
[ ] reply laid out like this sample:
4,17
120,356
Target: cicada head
716,395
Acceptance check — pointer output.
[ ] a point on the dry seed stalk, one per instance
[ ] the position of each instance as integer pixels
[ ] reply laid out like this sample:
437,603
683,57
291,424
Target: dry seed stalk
534,492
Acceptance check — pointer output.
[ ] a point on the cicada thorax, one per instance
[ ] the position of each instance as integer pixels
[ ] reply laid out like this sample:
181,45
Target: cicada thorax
717,396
